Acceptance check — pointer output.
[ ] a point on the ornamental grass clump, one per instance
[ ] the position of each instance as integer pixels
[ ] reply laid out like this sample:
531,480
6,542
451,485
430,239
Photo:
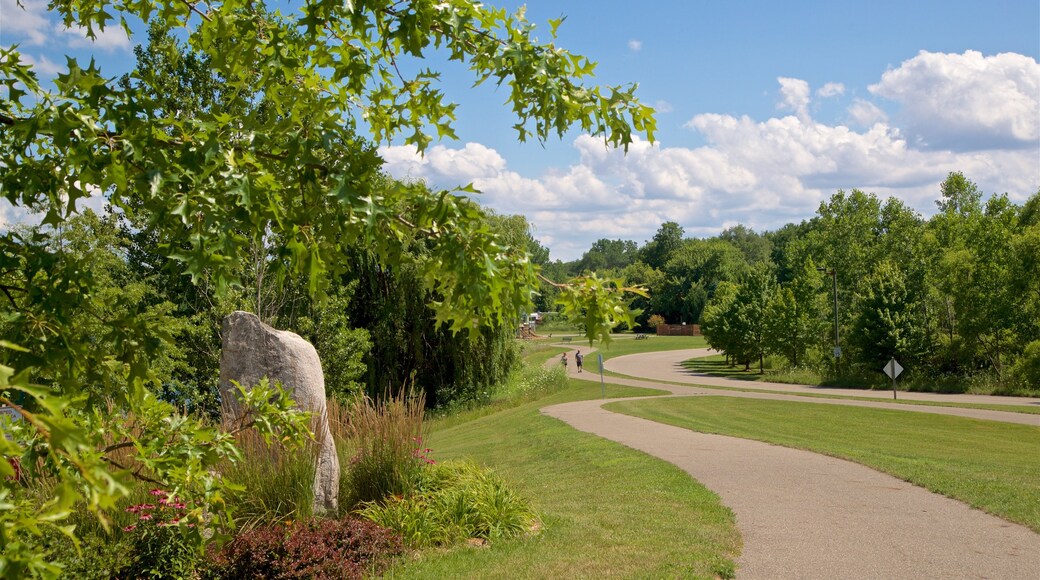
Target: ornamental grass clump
455,502
276,483
381,443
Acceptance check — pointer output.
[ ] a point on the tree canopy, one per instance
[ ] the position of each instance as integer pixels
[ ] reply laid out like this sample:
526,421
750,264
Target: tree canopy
274,157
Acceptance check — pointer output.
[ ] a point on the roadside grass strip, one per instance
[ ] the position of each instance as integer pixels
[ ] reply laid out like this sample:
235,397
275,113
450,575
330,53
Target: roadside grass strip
989,465
606,510
715,366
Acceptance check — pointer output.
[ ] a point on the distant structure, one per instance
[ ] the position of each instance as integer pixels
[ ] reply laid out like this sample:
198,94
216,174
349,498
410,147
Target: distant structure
678,330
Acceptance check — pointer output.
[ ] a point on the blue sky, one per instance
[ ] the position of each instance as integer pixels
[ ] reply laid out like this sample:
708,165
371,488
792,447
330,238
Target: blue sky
765,110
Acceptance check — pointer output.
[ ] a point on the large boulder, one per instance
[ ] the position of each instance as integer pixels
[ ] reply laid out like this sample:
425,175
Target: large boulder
252,350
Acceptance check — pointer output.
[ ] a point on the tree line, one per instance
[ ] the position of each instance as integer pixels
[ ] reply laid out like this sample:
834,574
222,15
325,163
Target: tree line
955,298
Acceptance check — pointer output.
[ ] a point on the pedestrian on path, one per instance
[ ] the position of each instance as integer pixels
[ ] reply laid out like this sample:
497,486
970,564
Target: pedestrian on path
563,361
578,360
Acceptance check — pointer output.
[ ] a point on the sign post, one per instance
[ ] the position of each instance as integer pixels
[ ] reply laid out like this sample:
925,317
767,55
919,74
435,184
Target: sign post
892,369
602,385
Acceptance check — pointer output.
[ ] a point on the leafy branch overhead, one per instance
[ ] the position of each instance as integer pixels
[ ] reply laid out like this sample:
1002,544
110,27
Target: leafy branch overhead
288,160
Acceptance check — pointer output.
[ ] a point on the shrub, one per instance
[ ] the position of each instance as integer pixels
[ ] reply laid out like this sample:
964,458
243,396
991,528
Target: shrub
1027,370
161,545
454,501
654,321
381,440
315,549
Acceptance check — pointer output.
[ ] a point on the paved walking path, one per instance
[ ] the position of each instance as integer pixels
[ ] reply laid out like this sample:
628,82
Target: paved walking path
804,515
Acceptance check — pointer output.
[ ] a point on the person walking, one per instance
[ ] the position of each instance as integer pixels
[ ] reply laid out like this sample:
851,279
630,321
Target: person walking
563,361
578,359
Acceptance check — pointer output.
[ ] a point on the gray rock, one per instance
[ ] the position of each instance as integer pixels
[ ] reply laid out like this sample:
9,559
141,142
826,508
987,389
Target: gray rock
252,350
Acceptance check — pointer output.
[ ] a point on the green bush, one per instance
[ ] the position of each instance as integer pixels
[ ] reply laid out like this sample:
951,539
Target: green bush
315,549
1027,370
453,502
161,545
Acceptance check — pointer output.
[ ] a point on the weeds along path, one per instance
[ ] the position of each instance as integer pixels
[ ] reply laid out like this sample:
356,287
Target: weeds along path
805,515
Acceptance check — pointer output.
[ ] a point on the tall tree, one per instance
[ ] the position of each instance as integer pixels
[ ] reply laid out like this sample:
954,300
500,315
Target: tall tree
794,320
755,247
889,319
296,180
608,255
667,240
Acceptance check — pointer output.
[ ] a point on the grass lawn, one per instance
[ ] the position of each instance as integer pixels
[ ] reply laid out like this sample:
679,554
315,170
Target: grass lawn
625,345
989,465
606,510
715,366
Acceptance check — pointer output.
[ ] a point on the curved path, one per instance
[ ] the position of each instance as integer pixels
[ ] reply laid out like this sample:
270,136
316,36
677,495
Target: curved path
804,515
666,366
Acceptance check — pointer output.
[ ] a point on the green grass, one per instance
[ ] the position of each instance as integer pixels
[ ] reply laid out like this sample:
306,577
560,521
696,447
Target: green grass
715,366
607,511
624,346
989,465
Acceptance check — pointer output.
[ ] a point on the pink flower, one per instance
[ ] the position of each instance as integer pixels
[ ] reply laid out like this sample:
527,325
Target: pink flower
146,516
130,528
158,492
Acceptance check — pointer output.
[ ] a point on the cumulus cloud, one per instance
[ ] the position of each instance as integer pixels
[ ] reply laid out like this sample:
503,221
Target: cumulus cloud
30,26
795,93
635,45
864,113
112,38
831,90
761,173
663,107
43,65
27,22
967,101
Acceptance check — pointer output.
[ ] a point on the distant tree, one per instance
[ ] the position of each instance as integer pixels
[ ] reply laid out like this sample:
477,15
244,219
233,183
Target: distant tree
755,247
691,275
650,278
718,324
889,319
659,250
608,255
787,252
794,320
751,313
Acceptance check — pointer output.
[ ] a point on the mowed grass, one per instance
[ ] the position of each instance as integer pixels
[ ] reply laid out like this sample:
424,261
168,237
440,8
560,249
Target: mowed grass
625,345
715,366
606,510
989,465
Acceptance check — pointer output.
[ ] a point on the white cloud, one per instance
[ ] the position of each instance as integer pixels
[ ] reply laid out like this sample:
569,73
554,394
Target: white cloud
663,107
831,90
31,25
635,45
967,101
112,38
28,22
864,113
759,173
43,66
795,93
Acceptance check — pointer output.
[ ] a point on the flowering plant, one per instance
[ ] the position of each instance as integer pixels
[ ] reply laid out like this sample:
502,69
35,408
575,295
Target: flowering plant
422,455
165,544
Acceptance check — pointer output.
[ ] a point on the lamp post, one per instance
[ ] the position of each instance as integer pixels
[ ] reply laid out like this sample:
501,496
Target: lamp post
834,278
